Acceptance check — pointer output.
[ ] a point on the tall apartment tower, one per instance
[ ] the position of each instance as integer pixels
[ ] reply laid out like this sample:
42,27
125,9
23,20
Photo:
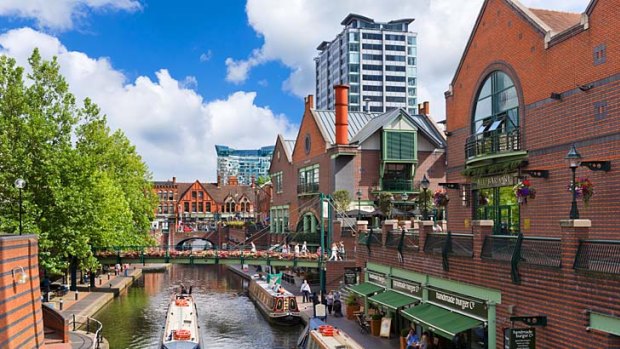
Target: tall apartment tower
243,164
377,60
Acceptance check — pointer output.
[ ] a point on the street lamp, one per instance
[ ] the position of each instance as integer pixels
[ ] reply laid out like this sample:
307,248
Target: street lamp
20,184
424,185
574,160
359,205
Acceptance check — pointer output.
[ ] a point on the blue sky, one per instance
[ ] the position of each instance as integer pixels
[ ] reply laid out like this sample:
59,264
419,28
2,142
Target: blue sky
178,79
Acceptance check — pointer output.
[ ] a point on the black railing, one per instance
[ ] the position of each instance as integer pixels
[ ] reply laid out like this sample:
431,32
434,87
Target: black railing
462,245
397,185
393,238
541,251
435,243
598,255
89,325
499,247
307,188
488,143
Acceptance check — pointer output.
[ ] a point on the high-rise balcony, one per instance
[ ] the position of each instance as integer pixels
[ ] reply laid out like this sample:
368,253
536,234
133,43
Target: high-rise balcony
492,143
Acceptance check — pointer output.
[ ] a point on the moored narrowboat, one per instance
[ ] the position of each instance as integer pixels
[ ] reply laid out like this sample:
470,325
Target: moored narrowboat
278,305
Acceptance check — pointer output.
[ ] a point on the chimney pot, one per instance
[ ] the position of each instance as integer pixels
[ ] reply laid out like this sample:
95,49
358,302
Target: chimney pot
342,114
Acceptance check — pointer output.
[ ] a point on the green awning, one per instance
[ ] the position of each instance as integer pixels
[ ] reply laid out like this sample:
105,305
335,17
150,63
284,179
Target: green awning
392,299
441,321
366,288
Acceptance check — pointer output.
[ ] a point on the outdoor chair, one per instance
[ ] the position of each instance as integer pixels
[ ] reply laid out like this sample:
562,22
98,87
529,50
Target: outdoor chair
363,323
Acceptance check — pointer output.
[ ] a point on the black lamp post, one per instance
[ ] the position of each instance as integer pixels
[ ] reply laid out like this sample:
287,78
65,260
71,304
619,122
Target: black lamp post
359,205
574,160
424,185
20,184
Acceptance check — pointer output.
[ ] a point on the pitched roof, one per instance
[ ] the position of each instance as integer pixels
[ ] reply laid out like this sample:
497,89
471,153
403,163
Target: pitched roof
556,20
289,146
363,125
220,194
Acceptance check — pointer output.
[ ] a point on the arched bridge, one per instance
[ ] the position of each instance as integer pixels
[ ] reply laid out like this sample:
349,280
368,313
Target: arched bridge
199,255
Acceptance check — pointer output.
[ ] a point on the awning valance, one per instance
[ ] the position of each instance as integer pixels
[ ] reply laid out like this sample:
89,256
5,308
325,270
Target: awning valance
366,288
441,321
392,299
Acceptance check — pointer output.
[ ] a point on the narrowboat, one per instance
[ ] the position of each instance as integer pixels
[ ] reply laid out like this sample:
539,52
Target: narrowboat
319,335
181,330
278,305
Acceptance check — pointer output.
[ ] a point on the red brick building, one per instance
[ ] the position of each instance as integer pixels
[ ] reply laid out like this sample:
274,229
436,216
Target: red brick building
530,84
363,153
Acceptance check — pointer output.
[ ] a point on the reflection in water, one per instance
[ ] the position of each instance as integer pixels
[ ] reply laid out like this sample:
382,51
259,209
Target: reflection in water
228,319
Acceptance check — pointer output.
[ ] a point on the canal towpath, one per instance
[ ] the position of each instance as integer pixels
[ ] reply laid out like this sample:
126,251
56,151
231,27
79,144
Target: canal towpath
349,326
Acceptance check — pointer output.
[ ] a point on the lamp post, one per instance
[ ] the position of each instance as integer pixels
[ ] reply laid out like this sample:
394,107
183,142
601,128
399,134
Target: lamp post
424,185
20,184
359,205
574,160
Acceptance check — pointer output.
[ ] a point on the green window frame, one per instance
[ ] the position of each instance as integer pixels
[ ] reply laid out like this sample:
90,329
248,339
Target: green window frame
497,106
400,145
308,179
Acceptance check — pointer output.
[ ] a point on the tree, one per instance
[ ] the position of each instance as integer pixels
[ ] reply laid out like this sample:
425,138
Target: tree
342,200
385,203
85,185
262,180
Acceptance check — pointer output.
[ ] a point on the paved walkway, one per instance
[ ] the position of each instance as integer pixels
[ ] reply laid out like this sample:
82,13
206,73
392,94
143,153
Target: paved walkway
349,326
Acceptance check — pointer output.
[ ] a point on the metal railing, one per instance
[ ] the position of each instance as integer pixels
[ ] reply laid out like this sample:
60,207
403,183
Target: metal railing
435,243
88,325
598,255
307,188
462,245
542,251
487,143
397,185
499,247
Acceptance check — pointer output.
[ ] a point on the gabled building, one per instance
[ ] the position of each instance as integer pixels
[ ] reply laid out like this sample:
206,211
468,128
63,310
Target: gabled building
363,153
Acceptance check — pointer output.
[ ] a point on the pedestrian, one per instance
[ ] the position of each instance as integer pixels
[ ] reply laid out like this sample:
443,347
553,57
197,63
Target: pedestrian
425,341
296,250
117,269
305,292
336,295
253,249
284,249
334,256
412,339
330,302
341,250
319,251
304,249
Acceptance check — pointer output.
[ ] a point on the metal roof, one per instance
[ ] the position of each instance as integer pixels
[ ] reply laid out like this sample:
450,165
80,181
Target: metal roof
326,119
289,146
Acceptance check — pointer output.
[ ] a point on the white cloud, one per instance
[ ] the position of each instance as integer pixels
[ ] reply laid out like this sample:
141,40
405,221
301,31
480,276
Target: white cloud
190,82
293,29
173,128
61,14
206,56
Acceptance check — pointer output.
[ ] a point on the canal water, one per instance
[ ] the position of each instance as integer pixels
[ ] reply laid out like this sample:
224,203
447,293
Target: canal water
228,318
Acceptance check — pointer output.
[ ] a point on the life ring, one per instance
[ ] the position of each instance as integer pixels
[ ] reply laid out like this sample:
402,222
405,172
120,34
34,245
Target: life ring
182,335
182,302
326,330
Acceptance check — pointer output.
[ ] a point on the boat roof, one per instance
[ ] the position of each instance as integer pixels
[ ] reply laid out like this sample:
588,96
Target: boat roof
180,345
265,285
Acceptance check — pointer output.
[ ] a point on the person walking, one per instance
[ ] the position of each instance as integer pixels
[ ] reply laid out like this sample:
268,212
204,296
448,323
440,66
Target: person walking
296,250
330,302
334,256
253,249
305,292
304,249
341,250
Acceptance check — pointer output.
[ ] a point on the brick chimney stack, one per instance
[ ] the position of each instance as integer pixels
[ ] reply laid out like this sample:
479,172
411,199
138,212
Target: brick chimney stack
309,102
342,114
174,180
424,108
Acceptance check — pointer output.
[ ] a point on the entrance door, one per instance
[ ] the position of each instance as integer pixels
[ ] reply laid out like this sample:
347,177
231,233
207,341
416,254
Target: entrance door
499,205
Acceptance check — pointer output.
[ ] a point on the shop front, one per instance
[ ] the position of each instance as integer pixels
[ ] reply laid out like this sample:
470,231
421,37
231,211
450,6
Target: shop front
401,295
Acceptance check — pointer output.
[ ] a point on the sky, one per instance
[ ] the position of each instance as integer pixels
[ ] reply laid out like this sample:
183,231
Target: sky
179,79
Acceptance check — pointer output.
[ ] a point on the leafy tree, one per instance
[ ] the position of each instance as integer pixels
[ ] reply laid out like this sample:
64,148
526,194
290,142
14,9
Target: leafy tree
85,185
342,200
262,180
385,203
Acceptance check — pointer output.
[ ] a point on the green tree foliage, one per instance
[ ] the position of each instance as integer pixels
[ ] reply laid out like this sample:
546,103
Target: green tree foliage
342,200
262,180
385,203
85,185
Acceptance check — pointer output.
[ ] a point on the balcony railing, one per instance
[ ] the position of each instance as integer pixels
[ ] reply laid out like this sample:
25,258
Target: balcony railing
546,252
489,143
599,255
307,188
397,185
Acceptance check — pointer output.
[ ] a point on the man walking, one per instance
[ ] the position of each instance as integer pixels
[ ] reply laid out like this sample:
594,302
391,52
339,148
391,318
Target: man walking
305,291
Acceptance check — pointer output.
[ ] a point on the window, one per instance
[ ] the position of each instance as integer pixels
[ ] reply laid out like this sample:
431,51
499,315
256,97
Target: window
186,207
354,78
200,195
394,48
411,40
497,106
395,78
372,77
308,181
399,145
354,36
193,207
277,181
201,207
395,58
373,88
354,47
372,47
411,81
395,99
394,37
194,194
372,36
367,56
394,68
395,88
411,60
372,67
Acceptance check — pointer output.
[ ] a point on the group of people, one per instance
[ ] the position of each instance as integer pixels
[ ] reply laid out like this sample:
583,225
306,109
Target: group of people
338,252
297,250
332,300
427,341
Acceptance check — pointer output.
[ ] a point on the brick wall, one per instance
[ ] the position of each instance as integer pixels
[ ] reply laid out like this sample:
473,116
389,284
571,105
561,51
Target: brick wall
21,320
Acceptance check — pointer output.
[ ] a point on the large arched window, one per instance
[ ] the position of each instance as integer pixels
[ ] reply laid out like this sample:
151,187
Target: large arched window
497,106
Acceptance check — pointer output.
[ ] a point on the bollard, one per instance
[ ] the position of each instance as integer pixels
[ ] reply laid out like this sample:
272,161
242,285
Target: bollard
108,276
100,281
76,295
61,302
110,285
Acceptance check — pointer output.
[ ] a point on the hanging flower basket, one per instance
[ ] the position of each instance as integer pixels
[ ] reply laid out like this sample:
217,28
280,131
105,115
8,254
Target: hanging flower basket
524,191
440,198
584,189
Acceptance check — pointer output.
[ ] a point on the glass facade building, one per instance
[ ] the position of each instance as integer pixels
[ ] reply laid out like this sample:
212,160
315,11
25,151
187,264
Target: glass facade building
377,60
244,164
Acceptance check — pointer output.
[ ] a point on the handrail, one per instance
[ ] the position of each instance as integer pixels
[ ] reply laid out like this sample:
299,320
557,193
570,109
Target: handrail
98,328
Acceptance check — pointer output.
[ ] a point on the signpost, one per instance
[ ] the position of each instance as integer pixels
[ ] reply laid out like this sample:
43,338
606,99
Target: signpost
520,338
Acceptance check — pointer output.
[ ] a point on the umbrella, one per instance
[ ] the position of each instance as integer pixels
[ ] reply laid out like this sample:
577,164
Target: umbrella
398,212
355,213
377,212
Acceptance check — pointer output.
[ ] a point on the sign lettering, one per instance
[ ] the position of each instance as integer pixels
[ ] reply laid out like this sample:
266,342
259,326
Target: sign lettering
378,279
409,287
496,181
457,302
520,338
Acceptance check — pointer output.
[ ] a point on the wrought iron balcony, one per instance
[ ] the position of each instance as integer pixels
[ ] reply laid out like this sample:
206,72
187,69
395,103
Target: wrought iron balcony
397,185
489,143
307,188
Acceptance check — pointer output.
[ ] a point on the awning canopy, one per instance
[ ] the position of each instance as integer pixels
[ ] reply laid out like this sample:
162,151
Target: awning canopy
441,321
392,299
366,288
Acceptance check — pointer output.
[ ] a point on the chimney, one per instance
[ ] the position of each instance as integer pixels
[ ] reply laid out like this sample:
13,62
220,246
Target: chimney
219,181
309,102
174,180
253,184
342,114
424,108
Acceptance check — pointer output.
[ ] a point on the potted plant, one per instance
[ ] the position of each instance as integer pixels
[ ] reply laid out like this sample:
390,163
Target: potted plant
523,191
403,338
352,306
375,324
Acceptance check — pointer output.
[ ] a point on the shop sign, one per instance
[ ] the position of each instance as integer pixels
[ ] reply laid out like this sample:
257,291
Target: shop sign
520,338
350,276
504,180
408,287
376,278
457,302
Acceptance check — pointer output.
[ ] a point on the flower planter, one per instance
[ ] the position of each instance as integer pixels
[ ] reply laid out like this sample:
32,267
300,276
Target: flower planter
375,327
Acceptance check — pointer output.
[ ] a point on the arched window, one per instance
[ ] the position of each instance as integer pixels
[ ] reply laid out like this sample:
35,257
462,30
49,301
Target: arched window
497,106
